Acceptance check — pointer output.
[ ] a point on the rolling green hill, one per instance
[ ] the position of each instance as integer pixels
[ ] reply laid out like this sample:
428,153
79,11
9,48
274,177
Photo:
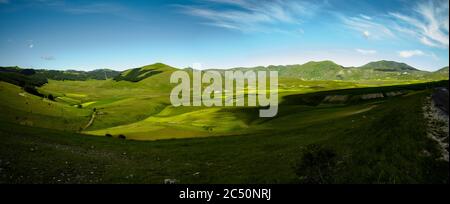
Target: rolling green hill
139,74
389,66
443,71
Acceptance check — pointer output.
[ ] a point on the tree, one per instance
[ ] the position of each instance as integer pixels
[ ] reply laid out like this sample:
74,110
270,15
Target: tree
51,97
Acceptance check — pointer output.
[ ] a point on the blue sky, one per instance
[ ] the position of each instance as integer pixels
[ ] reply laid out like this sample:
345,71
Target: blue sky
58,34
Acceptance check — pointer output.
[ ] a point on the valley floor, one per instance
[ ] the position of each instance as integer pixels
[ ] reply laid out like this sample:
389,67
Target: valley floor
378,140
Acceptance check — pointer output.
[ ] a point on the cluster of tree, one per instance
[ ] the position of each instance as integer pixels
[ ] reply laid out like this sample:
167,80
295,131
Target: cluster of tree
29,79
25,78
100,74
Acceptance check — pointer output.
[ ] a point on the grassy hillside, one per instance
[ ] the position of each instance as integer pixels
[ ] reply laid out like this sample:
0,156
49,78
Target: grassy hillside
373,140
19,107
363,116
389,66
138,74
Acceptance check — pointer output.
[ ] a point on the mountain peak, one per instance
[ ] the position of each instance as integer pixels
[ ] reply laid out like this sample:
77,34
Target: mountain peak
385,65
141,73
324,62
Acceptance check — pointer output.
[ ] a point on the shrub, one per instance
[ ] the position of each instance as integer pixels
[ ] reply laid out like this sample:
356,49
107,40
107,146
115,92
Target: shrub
32,90
122,136
317,164
108,135
51,97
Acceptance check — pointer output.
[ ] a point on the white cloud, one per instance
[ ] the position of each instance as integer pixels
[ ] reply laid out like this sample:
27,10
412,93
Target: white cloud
428,23
253,15
365,17
410,53
366,52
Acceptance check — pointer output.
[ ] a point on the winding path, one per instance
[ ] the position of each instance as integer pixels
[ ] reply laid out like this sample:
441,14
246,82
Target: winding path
94,113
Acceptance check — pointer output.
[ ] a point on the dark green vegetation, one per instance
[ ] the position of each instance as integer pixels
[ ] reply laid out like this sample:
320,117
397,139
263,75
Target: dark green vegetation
343,131
30,79
99,74
21,77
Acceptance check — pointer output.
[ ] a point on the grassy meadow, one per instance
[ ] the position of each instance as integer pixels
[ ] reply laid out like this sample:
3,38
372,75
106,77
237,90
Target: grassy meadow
125,130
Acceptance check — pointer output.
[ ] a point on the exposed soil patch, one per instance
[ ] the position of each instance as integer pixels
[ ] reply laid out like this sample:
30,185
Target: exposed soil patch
335,98
436,113
372,96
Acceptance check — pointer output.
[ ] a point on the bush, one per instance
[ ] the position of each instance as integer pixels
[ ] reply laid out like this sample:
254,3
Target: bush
108,135
317,164
79,106
122,136
32,90
51,97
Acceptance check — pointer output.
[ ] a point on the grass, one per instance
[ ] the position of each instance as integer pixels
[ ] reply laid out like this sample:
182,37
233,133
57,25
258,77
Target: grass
23,108
377,141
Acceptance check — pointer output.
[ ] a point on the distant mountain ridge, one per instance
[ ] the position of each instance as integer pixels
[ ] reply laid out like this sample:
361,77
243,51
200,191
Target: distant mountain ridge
313,70
98,74
328,70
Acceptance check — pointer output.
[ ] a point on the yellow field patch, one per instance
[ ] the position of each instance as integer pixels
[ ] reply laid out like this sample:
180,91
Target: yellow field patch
88,103
76,95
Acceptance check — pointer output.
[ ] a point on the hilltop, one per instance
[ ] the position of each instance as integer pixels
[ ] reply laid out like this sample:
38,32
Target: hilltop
141,73
391,66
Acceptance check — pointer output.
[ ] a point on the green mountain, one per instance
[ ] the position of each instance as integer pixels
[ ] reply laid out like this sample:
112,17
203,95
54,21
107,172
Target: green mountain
443,70
328,70
158,73
389,66
141,73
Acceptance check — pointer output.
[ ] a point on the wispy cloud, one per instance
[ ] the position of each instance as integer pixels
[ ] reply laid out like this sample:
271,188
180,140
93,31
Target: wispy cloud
69,7
410,53
429,22
366,52
367,26
253,15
